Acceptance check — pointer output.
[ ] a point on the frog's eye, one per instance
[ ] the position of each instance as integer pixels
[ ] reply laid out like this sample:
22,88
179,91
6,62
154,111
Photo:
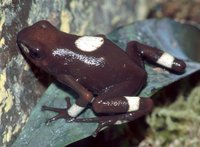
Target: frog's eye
34,53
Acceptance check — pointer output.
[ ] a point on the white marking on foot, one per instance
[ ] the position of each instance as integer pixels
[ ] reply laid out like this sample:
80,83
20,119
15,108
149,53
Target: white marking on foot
166,60
89,43
74,110
133,102
119,122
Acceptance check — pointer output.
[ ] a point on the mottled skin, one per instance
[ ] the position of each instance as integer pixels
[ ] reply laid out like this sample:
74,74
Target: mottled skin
100,77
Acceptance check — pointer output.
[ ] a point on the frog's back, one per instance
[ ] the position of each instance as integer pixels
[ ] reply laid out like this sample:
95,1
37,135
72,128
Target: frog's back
106,66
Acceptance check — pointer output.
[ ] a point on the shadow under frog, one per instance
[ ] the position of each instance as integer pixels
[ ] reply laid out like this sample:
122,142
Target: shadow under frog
97,70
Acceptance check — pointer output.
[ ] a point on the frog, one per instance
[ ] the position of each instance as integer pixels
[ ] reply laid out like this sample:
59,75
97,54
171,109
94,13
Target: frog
105,77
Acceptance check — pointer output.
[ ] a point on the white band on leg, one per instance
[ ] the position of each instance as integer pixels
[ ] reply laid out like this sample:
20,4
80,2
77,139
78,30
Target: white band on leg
133,102
166,60
74,110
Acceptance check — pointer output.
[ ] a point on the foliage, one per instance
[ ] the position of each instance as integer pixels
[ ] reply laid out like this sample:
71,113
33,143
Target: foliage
177,124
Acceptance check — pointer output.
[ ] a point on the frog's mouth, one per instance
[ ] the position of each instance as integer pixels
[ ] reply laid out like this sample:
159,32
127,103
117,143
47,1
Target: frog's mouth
29,51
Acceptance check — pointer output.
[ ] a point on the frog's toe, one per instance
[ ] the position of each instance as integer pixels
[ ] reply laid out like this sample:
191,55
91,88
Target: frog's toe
62,112
70,119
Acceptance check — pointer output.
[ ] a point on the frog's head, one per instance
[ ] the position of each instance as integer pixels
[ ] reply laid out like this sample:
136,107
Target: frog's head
37,42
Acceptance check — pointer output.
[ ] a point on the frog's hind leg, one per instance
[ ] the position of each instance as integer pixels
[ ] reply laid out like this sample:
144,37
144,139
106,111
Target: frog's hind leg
117,108
134,55
155,55
145,107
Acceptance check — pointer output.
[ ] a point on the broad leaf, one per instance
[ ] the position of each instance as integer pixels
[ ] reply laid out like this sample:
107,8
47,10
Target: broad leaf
178,39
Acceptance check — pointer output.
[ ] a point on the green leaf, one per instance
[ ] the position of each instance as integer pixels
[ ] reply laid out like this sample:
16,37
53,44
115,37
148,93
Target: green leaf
178,39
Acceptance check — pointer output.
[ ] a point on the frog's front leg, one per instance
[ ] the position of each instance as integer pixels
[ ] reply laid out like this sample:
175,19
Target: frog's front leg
71,111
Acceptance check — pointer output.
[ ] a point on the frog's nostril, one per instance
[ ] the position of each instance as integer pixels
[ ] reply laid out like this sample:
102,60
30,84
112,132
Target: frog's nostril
44,26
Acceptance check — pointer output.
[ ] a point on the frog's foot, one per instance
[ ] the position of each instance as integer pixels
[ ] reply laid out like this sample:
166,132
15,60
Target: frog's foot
62,112
103,125
103,122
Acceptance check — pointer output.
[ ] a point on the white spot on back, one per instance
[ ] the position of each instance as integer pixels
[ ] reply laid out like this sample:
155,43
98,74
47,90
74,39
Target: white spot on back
166,60
89,43
134,103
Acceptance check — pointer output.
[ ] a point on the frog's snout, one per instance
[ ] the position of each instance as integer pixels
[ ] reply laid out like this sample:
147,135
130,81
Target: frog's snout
23,48
20,43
